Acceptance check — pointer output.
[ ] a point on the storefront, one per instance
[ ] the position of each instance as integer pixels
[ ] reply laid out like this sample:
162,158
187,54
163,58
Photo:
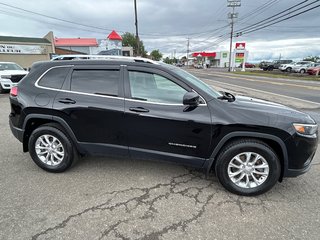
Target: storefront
211,59
25,50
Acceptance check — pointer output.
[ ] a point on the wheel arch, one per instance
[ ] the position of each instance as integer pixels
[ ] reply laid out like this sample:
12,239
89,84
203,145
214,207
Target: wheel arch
273,141
33,121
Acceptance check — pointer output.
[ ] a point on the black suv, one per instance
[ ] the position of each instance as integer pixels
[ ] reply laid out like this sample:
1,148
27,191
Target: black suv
144,109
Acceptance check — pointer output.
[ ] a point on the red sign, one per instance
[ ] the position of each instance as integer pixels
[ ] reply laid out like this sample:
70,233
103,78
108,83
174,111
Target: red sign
204,54
241,45
240,55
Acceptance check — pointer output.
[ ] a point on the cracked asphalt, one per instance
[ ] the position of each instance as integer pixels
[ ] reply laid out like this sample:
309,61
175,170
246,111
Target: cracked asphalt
102,198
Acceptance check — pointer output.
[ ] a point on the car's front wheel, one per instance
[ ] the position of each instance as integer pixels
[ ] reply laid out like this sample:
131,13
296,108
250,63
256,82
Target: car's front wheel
51,149
1,89
248,167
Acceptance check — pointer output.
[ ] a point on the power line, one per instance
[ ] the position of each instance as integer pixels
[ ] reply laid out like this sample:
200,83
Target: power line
307,10
100,28
274,17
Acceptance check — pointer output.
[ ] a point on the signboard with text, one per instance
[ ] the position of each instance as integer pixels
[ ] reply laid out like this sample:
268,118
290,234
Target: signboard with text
239,57
22,49
241,45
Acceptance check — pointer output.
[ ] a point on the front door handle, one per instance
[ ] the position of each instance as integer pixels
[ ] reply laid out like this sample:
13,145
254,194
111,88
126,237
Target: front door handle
67,101
138,109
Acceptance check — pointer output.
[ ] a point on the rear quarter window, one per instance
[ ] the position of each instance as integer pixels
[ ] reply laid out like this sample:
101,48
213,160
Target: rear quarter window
54,78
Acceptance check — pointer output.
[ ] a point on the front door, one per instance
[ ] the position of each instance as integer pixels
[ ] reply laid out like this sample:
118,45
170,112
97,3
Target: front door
158,124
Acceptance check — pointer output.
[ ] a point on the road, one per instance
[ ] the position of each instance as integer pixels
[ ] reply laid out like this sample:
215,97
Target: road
102,198
299,94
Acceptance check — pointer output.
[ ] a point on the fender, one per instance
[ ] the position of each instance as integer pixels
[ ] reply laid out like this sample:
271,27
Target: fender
59,120
208,164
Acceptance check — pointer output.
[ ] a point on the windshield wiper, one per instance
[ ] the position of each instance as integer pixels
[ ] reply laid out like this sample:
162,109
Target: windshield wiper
227,96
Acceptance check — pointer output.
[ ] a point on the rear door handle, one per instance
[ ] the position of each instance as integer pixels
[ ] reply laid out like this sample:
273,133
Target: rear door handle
67,101
138,109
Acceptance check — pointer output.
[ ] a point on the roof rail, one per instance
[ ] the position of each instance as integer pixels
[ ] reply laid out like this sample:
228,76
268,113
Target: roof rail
102,57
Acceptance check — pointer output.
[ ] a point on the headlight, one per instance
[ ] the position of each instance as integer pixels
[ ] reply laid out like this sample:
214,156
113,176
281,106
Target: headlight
5,76
306,129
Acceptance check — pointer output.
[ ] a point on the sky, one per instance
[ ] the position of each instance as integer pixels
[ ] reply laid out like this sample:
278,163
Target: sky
167,24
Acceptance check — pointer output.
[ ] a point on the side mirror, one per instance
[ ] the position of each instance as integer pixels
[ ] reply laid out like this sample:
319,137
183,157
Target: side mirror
191,99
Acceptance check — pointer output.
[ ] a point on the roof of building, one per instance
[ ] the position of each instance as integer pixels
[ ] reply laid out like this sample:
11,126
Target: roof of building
79,42
204,54
24,39
114,36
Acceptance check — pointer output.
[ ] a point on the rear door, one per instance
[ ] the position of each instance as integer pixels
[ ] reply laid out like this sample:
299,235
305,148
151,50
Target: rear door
158,124
92,104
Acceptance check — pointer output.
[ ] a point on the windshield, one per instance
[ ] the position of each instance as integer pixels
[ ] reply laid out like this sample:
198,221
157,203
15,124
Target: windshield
194,80
9,66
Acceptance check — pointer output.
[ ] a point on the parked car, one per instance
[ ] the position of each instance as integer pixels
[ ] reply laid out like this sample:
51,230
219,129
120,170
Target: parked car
145,109
269,66
302,68
314,69
10,74
248,65
289,67
198,66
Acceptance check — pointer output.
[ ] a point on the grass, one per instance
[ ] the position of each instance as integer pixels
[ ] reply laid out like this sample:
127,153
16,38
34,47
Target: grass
276,74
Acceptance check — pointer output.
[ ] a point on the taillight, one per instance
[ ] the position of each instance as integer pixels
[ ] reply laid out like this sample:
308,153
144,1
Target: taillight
14,91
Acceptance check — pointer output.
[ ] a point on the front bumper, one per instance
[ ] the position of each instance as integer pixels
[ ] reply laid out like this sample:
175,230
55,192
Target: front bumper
7,84
301,151
17,132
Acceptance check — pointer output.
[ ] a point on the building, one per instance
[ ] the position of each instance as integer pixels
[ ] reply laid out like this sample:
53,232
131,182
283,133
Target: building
213,59
76,46
26,50
112,45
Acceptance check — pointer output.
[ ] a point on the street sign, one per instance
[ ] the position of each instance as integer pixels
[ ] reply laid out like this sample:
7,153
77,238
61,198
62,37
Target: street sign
240,45
234,4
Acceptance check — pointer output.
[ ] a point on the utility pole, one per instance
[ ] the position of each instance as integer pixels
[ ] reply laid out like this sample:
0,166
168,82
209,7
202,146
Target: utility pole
232,16
136,23
188,43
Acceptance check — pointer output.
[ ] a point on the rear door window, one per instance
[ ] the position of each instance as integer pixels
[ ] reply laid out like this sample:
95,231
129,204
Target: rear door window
96,81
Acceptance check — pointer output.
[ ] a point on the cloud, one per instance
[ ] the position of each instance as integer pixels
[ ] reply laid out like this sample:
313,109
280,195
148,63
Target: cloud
166,24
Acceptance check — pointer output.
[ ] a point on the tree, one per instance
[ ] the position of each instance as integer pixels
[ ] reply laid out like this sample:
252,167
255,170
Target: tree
156,55
129,40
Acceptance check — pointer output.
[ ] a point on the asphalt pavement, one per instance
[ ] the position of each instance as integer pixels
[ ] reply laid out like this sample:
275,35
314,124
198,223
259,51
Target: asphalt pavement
103,198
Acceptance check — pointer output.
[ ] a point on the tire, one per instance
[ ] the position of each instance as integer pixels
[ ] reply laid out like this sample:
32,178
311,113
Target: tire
260,152
302,71
270,68
289,69
63,156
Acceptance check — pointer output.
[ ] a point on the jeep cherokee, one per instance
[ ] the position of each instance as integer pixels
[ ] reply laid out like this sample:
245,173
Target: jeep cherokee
143,109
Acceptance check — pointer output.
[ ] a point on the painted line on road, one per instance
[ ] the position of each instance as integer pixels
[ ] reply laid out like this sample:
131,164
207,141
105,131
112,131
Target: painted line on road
263,81
261,91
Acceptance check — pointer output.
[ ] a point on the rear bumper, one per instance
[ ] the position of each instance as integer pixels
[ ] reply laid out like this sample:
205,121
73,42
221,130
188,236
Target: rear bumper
17,132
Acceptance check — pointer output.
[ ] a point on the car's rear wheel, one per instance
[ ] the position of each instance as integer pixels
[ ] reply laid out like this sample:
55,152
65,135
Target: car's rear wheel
51,149
302,71
248,167
289,69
